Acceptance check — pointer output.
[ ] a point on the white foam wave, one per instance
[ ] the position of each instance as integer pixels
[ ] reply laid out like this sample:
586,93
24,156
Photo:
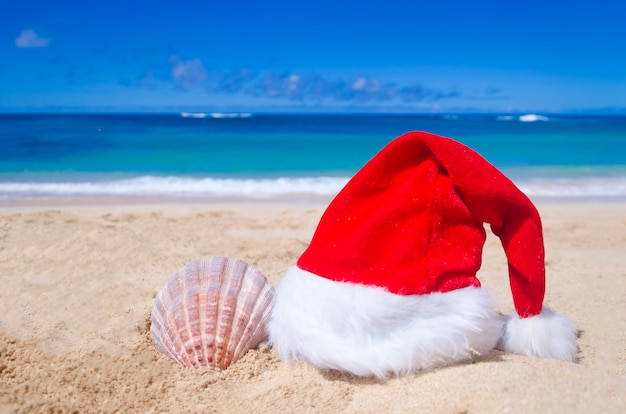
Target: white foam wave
194,114
584,187
288,187
202,115
532,118
230,115
150,186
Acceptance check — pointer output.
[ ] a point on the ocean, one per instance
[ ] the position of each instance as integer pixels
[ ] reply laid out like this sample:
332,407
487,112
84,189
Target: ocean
246,156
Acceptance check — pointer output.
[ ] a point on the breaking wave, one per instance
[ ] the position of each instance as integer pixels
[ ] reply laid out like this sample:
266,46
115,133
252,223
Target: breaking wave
270,188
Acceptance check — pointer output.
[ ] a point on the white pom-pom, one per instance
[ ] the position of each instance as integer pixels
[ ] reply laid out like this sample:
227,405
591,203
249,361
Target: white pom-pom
547,335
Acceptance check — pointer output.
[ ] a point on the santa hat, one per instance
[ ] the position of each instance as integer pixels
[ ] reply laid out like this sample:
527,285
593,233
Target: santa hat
388,283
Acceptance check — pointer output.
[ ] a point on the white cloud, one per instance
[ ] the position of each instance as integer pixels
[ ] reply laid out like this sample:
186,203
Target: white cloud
317,88
188,73
30,38
359,84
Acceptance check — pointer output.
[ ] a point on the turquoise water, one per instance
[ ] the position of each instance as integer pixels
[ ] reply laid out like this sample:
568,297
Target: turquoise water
251,155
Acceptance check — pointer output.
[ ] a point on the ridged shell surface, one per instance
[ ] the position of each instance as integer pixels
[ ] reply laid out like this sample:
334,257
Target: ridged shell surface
211,312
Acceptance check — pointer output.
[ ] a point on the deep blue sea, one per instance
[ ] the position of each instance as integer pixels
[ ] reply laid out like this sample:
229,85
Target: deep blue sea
254,156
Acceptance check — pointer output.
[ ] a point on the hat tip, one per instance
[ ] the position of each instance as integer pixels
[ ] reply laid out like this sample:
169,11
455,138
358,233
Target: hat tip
546,335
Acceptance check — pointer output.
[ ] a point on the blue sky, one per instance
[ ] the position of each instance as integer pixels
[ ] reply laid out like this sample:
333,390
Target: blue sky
321,56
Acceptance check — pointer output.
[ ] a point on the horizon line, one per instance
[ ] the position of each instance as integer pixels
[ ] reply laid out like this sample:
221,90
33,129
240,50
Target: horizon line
309,113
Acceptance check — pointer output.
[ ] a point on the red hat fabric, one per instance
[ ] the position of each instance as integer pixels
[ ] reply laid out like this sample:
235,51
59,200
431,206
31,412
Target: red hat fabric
411,222
388,282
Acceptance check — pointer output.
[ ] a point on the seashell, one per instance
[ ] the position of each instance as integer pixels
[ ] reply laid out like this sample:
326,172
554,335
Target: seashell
211,312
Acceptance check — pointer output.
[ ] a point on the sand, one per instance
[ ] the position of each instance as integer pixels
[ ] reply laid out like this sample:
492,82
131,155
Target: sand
77,283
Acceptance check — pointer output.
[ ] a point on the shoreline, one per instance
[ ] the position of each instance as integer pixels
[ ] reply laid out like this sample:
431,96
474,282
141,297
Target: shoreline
603,183
61,202
295,200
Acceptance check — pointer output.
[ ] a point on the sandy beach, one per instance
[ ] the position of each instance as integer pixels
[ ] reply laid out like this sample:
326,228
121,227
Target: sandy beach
78,282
